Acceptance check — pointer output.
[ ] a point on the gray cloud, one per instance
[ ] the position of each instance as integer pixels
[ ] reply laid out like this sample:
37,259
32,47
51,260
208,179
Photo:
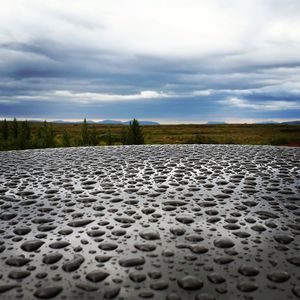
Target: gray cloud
96,51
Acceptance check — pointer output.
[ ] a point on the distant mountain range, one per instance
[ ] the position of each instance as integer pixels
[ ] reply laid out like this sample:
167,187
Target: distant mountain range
215,122
106,122
114,122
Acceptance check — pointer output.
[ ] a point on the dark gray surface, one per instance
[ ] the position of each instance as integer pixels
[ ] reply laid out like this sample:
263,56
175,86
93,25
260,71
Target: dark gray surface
189,221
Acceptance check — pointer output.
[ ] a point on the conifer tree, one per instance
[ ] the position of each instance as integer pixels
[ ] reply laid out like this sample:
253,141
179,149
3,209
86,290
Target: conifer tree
135,135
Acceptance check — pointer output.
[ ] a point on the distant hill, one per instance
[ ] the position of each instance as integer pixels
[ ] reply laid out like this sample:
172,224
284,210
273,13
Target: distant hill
291,123
71,122
296,122
267,122
106,122
59,122
142,123
215,122
112,122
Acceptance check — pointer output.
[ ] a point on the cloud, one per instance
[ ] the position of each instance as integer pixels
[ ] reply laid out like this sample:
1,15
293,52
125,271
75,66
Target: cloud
95,97
98,52
71,96
88,97
202,93
153,27
266,105
216,31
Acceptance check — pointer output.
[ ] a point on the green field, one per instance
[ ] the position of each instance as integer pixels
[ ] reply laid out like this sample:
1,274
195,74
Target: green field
250,134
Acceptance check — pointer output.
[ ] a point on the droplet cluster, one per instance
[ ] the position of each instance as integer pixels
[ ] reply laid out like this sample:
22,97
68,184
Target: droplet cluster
167,222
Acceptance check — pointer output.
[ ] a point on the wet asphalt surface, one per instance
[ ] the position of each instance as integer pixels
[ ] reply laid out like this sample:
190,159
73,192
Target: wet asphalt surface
150,222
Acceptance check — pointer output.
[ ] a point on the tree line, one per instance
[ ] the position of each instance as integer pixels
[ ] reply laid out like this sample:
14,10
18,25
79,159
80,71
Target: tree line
20,135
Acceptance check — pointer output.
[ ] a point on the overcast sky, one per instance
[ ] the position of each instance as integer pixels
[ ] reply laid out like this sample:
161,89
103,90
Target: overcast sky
165,60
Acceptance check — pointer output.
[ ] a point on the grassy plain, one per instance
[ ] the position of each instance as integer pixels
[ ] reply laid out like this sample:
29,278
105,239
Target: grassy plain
248,134
255,134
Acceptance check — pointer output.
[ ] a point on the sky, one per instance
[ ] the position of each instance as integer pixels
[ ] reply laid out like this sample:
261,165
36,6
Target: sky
171,61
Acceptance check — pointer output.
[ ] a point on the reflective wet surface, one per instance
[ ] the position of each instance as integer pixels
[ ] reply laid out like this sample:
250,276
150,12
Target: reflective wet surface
162,222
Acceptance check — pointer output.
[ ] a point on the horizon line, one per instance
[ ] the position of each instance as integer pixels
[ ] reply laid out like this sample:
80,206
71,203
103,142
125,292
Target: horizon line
158,120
